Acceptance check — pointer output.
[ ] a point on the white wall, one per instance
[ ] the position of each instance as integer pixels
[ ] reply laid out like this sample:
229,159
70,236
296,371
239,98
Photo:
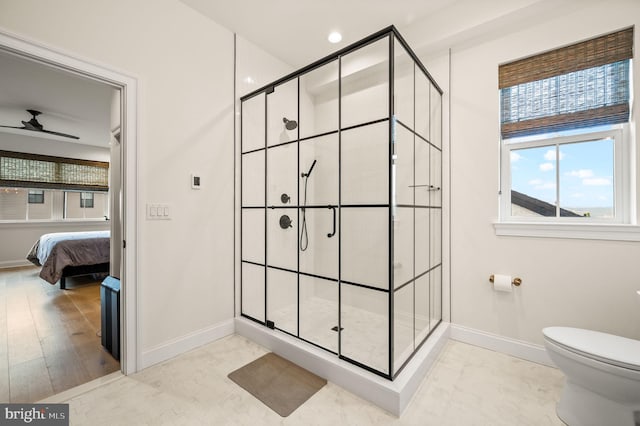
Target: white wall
184,66
581,283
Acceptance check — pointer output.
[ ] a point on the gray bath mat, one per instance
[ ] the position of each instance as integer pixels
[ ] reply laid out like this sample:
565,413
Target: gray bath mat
278,383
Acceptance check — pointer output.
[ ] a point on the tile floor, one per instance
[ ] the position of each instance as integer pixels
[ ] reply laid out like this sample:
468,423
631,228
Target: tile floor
466,386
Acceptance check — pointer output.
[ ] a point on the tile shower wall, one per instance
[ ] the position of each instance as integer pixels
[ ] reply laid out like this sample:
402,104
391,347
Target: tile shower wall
348,258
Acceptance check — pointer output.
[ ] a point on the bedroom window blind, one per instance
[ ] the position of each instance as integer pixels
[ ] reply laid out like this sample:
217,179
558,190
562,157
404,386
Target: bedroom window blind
42,171
582,85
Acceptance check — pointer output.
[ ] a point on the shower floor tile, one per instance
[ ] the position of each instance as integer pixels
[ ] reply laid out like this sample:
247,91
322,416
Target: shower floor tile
466,385
364,334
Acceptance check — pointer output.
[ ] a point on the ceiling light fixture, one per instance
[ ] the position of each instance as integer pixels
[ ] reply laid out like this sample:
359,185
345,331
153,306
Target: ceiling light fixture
334,37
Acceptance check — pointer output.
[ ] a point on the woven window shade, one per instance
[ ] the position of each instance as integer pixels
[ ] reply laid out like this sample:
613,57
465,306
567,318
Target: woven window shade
582,85
42,171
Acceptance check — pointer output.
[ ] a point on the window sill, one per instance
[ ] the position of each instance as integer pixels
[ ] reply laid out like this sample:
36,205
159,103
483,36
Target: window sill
590,231
52,223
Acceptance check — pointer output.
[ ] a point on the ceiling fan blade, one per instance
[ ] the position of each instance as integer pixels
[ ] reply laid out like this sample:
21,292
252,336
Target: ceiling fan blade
66,135
34,125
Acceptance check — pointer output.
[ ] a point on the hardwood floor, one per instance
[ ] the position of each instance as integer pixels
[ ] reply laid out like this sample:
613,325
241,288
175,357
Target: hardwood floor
49,338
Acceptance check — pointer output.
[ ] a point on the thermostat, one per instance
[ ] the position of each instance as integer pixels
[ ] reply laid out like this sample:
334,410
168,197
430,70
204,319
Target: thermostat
196,182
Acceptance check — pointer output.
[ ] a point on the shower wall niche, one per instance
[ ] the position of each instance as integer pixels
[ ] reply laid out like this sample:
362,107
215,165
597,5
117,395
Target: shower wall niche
342,204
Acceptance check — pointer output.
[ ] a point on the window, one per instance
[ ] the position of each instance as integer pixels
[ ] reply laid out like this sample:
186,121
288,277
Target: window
55,205
573,175
20,204
41,187
564,127
86,205
36,196
86,200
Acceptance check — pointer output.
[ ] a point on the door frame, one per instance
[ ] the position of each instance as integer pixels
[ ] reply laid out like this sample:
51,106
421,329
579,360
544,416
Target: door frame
127,84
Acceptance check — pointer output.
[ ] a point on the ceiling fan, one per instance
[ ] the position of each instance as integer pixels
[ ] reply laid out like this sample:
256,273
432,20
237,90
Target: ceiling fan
35,126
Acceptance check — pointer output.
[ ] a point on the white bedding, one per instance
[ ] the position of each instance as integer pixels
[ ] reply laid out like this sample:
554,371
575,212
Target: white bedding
47,241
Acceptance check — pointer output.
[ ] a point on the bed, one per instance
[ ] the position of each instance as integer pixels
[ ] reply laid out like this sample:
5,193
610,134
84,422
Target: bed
68,254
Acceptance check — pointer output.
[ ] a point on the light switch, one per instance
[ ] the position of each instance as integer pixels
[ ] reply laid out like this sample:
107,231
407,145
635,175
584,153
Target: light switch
158,212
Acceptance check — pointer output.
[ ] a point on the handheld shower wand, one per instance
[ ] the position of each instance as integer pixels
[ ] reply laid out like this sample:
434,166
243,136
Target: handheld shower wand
310,169
304,234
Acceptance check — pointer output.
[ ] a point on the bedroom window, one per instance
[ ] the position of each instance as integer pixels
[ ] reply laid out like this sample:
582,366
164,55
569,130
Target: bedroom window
86,200
41,187
15,205
564,127
20,204
86,205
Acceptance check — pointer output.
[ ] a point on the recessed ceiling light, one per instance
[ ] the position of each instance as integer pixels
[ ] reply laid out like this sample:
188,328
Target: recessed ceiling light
334,37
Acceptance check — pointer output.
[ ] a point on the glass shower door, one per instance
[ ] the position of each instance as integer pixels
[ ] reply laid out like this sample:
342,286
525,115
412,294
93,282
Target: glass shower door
365,206
282,219
253,208
319,213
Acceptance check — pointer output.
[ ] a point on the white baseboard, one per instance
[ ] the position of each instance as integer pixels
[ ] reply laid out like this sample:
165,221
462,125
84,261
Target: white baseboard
14,263
392,396
186,343
506,345
69,394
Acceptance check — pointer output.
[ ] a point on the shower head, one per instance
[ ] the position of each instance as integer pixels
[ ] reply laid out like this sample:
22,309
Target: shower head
289,124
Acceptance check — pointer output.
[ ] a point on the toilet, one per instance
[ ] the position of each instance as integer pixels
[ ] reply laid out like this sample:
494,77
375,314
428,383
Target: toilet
602,385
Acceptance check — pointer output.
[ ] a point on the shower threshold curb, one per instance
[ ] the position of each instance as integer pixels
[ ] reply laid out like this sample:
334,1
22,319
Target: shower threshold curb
393,396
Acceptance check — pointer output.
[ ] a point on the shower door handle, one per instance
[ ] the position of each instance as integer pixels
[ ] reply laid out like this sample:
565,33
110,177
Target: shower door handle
331,234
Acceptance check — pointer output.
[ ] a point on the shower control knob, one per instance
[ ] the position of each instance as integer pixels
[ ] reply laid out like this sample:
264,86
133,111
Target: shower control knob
285,198
285,222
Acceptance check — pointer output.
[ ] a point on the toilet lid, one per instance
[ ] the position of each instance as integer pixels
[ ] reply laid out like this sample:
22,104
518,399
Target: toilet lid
614,350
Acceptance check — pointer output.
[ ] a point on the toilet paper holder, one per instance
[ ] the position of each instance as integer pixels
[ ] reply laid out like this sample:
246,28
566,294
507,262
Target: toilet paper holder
516,281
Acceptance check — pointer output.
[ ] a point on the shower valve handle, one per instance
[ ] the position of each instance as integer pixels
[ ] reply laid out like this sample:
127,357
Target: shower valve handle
285,222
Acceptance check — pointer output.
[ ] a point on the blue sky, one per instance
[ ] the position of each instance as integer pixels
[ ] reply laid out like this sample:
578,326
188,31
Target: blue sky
585,173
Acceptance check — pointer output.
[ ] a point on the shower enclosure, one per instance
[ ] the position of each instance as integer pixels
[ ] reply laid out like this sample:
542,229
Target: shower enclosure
342,204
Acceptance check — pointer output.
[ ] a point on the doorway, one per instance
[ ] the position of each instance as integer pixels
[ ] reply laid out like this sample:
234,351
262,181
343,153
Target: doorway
124,207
